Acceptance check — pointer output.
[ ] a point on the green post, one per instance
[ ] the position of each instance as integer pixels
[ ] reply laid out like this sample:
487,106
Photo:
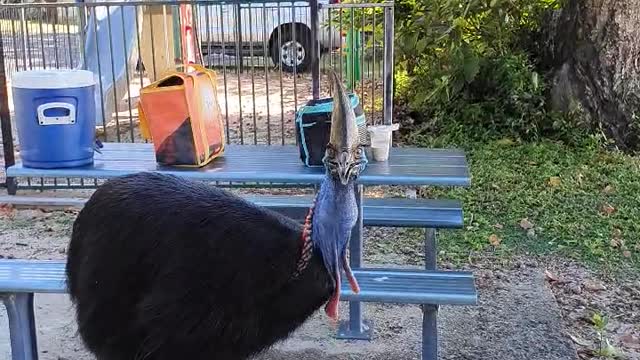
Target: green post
352,58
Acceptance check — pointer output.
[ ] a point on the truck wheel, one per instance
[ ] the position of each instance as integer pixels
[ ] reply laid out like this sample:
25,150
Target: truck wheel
291,53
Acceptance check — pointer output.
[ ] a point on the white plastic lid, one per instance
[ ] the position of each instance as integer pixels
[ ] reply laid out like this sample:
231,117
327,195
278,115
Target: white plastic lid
383,128
52,79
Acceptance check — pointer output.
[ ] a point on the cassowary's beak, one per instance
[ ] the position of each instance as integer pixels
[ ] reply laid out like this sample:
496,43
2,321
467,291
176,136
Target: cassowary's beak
344,156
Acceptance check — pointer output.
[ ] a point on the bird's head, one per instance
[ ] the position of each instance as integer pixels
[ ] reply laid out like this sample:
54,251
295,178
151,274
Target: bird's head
344,156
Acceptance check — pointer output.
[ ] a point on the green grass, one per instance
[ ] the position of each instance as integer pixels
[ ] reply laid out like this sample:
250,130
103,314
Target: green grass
583,203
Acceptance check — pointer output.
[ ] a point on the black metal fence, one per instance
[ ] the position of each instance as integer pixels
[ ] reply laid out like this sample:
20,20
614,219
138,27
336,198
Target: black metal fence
262,51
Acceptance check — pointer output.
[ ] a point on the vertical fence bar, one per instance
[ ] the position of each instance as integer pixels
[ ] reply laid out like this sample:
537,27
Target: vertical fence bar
83,31
315,49
55,40
14,35
40,28
388,65
5,122
253,72
224,69
99,63
373,70
126,70
295,60
340,27
279,52
265,50
69,47
114,83
239,66
27,41
153,45
239,60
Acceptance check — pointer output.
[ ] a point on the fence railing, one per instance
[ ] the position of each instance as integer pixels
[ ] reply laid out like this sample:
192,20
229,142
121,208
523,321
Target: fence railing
262,51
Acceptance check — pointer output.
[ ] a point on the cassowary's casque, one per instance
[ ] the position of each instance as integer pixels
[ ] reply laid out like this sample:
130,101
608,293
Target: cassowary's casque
164,268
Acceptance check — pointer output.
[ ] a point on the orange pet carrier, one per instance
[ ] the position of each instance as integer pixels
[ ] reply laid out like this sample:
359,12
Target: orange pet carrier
180,113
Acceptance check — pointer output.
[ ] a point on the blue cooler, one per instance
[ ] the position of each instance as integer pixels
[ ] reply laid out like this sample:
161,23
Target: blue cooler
55,116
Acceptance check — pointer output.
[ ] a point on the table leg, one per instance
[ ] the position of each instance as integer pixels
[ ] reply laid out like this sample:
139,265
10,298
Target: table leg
22,328
356,328
430,312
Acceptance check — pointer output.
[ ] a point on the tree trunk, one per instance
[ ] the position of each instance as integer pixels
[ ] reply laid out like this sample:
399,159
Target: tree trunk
595,54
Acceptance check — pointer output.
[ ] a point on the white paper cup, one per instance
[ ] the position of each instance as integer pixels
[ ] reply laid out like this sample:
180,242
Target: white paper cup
381,140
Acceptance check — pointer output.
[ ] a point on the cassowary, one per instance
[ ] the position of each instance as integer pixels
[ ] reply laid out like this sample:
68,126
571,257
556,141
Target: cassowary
164,268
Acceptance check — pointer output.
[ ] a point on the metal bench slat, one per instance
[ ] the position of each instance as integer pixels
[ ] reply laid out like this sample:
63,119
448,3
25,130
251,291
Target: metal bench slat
35,276
413,287
377,285
387,212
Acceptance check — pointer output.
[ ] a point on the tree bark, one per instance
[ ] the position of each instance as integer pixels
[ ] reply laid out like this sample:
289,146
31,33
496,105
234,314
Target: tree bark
595,53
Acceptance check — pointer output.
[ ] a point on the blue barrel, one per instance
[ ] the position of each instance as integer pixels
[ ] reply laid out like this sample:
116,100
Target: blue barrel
55,116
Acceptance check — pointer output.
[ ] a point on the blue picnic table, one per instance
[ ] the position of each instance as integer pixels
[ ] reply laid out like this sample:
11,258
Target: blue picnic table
281,165
265,164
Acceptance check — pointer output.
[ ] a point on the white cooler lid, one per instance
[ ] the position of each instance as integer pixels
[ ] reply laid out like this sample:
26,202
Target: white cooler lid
52,79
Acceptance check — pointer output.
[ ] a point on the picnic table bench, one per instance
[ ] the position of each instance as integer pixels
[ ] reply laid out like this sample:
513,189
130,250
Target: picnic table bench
19,280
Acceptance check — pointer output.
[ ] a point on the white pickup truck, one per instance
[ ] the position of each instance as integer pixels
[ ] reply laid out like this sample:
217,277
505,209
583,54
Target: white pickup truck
282,30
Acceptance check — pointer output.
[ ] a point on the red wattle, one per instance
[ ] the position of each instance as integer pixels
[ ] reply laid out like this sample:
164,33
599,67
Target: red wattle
353,283
332,307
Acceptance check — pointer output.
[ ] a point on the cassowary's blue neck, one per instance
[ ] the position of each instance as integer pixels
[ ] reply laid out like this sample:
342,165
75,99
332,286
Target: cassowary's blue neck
334,216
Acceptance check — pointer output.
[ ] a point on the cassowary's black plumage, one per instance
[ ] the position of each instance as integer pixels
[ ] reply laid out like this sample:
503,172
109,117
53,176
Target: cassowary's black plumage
164,268
161,268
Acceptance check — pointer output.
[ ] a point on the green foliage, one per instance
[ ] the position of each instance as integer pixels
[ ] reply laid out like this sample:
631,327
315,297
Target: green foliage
465,64
468,66
605,349
582,202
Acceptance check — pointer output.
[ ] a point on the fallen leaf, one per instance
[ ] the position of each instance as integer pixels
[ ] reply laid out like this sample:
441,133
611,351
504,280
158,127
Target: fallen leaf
579,341
615,243
551,277
494,240
630,341
554,181
499,226
526,224
626,253
608,189
607,209
593,286
6,210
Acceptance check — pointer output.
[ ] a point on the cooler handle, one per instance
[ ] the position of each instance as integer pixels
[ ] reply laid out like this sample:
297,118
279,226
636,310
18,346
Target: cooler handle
57,120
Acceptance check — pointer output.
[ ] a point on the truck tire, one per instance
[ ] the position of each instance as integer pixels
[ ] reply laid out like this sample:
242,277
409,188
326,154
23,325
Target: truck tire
292,55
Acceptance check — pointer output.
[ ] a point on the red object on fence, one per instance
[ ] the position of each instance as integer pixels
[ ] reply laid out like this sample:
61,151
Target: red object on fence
186,32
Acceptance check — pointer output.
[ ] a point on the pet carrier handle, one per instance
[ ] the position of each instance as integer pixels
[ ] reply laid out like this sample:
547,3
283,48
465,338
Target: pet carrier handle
195,66
68,119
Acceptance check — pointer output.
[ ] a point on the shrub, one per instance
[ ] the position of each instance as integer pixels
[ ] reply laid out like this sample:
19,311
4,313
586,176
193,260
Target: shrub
470,66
